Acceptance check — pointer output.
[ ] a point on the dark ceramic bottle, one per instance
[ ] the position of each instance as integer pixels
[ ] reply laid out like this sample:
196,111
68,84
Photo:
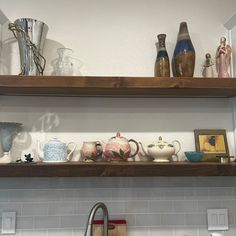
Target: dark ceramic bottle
183,62
162,65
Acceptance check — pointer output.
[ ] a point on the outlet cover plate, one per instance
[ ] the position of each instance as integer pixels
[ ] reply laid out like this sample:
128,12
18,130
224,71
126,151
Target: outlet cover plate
217,219
8,223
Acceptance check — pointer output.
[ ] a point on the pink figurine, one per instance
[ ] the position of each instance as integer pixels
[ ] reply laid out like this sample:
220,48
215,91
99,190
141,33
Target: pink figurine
223,55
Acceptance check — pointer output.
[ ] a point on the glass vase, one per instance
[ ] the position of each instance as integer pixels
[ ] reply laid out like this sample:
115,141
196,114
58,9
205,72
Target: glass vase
8,131
63,64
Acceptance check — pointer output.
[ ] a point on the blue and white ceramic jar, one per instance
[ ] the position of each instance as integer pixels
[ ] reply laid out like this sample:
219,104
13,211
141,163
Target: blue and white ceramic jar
57,151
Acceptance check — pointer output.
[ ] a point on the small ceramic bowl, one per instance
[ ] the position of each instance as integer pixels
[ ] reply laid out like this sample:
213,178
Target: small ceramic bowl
194,156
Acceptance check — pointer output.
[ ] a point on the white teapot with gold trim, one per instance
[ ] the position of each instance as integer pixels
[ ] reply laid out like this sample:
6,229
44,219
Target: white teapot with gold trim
161,151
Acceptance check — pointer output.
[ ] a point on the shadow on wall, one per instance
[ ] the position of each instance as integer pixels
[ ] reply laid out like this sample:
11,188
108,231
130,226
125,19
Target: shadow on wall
50,53
25,142
112,114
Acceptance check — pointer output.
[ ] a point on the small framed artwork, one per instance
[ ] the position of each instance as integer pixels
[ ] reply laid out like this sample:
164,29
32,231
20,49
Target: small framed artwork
212,142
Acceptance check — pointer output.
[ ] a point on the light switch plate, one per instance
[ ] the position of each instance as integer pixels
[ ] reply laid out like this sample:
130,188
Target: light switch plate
217,219
8,223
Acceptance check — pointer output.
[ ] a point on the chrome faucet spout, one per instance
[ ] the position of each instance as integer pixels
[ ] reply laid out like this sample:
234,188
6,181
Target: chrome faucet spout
89,226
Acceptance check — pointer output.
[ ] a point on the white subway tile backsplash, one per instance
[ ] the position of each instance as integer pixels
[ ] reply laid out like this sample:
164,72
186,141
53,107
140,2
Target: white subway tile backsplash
161,232
202,231
60,232
160,206
185,206
75,221
231,232
33,232
19,195
91,194
133,207
147,220
45,195
174,193
117,207
131,193
196,219
172,219
10,207
83,207
138,231
170,208
46,222
77,232
204,205
186,232
220,193
62,208
130,218
4,195
230,204
231,219
34,209
196,193
25,222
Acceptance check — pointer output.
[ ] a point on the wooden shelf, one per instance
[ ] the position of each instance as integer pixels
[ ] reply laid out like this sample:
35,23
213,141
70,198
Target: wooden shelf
123,169
117,86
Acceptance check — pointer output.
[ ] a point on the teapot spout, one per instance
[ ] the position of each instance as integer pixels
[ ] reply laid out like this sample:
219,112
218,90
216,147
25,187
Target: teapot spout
144,149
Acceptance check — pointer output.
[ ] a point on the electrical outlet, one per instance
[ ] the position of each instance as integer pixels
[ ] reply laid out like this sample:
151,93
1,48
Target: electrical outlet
217,219
8,222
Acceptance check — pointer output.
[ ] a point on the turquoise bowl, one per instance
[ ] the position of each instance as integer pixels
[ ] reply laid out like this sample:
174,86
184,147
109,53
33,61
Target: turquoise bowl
194,156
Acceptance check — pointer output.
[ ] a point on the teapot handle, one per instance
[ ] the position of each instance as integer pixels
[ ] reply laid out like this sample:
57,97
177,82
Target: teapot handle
137,147
176,141
71,151
98,144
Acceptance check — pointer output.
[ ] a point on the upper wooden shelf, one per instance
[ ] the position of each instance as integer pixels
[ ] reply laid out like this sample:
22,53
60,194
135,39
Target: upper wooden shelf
116,86
121,169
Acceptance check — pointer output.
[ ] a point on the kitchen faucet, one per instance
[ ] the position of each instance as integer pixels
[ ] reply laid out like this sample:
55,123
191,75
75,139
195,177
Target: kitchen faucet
89,226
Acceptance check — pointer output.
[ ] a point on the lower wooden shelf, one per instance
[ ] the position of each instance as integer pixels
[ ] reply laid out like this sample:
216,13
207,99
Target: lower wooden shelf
123,169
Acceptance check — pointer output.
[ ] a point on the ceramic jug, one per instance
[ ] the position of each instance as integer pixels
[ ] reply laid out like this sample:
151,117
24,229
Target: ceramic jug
119,149
90,151
55,151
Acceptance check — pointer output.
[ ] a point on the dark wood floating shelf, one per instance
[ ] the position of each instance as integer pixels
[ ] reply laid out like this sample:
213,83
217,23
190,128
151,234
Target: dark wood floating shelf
123,169
116,86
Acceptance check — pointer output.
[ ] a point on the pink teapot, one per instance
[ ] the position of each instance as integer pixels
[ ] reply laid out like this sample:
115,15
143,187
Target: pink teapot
119,149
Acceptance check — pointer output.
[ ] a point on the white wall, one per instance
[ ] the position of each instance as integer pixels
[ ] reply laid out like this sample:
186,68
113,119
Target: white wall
118,37
144,119
233,38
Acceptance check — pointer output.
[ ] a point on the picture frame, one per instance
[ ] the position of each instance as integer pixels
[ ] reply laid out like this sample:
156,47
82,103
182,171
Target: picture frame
212,142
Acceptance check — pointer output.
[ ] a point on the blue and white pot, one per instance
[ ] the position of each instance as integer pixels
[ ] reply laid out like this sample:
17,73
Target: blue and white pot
55,151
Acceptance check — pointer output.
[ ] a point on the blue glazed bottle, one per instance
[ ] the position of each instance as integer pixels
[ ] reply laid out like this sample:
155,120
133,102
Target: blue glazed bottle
183,62
162,65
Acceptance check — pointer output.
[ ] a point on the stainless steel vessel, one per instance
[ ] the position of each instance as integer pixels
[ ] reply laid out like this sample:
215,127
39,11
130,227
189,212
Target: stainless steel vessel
31,35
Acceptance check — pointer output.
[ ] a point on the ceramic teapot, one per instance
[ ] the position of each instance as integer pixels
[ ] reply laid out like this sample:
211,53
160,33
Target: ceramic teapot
161,151
119,149
55,151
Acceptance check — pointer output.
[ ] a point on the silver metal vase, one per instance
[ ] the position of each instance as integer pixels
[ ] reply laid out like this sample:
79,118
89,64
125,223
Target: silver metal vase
31,35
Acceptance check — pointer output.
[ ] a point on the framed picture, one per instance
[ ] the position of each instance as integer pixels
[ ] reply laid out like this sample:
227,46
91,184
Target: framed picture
212,142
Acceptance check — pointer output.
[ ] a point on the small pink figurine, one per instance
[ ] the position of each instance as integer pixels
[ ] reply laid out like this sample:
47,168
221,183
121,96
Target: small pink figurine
223,55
